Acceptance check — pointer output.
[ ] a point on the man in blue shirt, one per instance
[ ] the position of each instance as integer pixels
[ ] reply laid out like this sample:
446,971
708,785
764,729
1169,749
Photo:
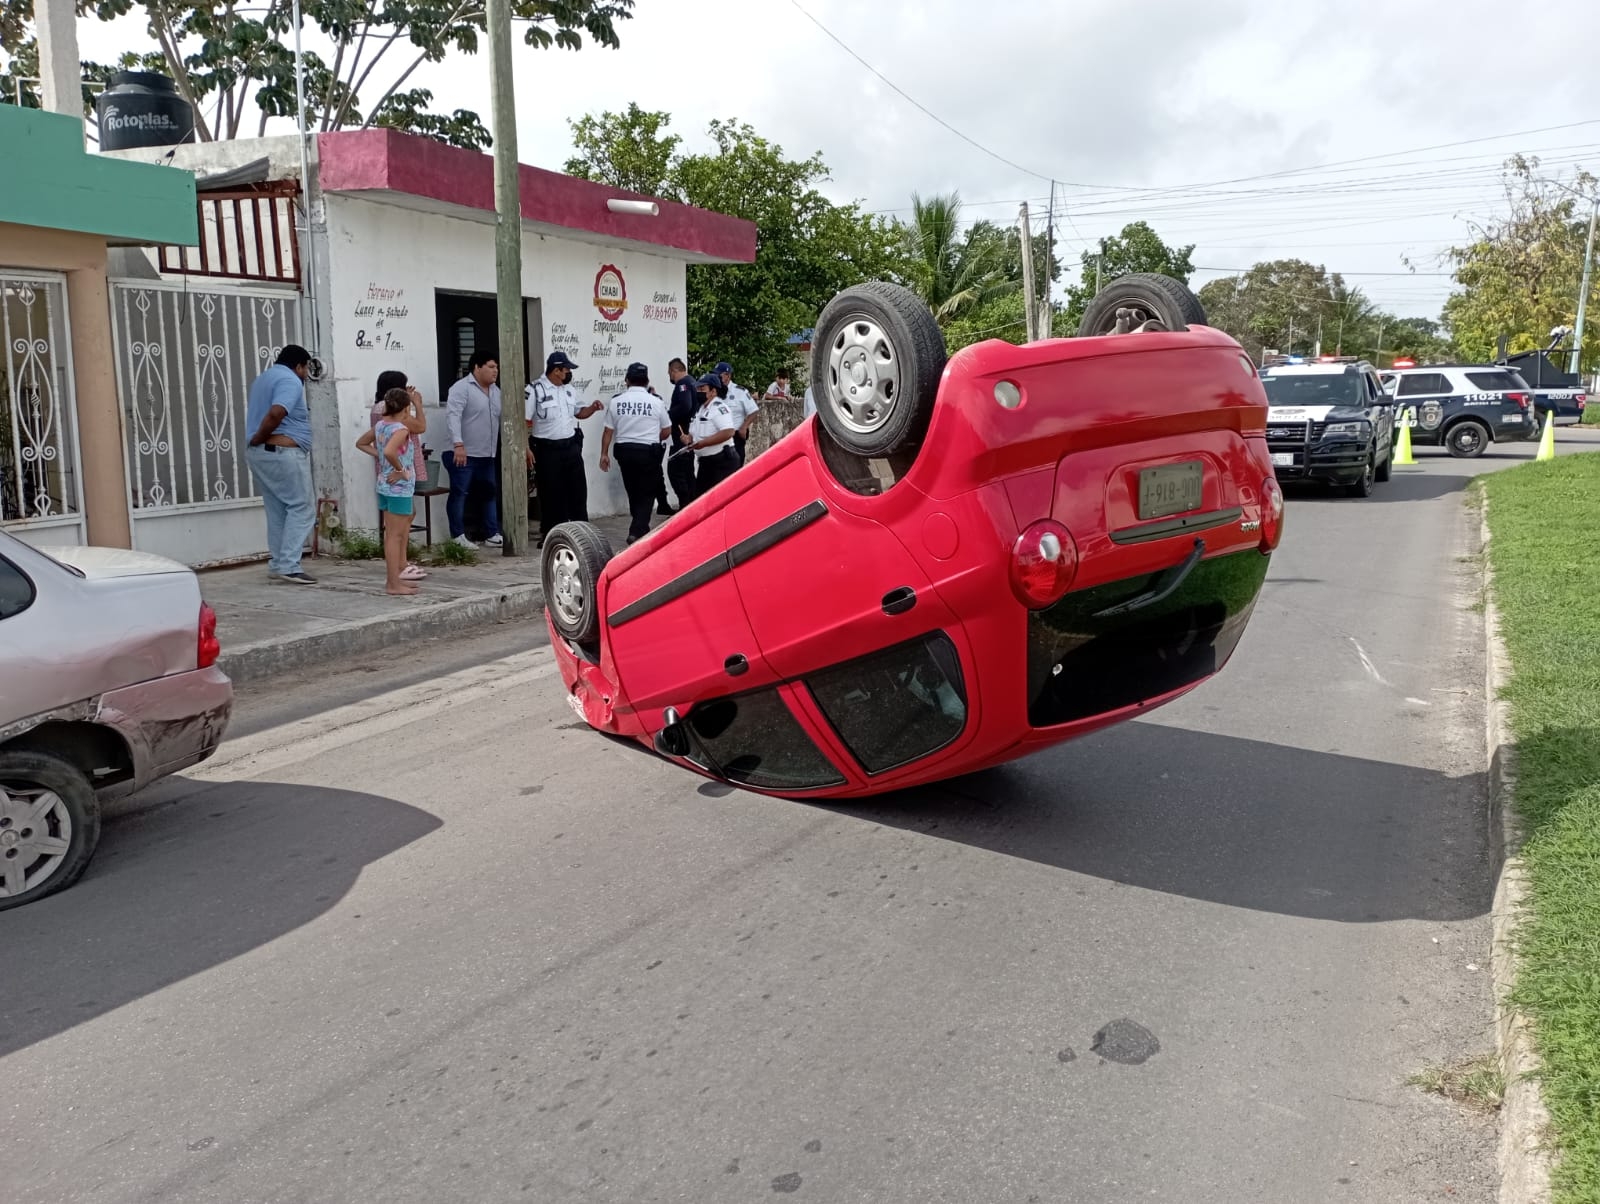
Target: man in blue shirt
279,456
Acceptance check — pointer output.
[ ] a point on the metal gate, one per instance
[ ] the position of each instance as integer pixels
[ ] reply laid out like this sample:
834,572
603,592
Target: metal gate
41,488
185,360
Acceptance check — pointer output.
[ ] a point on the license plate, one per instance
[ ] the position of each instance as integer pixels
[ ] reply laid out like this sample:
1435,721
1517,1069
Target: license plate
1170,489
1283,459
1513,418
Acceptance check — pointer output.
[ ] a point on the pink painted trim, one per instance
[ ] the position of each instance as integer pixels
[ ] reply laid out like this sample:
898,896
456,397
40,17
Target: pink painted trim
380,160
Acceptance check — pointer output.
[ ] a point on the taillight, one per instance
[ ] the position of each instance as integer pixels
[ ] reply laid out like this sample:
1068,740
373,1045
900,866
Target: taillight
1520,398
1044,561
1582,399
1271,514
209,648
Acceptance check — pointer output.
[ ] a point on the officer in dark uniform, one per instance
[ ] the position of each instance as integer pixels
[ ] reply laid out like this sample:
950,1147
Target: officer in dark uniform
553,415
685,401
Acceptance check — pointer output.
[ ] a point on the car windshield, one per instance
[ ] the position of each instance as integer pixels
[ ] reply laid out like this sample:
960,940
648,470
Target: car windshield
1314,389
753,739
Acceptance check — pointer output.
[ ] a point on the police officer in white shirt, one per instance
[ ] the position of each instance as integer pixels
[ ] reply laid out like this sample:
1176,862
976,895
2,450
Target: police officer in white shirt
711,431
637,425
553,415
741,405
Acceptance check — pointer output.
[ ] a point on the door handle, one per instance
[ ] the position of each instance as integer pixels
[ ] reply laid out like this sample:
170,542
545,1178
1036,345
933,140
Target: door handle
736,665
898,601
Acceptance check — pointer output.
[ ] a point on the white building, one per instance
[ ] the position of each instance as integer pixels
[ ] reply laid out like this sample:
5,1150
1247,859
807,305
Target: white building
402,276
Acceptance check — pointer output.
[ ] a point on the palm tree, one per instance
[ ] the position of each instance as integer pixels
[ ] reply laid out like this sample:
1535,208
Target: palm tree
953,274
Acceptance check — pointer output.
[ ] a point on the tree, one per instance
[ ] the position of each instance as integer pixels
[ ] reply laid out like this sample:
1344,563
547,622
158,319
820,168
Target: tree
1421,339
1519,277
233,60
808,248
1137,249
953,272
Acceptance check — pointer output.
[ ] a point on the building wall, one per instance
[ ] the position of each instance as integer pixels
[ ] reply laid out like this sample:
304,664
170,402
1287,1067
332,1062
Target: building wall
385,263
82,257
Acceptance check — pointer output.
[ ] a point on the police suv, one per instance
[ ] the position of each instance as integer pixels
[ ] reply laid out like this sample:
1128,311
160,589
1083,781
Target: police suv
1330,421
1461,407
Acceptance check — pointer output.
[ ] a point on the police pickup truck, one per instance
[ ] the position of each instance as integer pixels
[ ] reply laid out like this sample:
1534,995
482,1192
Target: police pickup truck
1329,421
1462,407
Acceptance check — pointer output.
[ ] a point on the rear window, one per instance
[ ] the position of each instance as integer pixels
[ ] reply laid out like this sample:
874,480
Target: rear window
1422,383
1303,389
895,706
16,591
1495,382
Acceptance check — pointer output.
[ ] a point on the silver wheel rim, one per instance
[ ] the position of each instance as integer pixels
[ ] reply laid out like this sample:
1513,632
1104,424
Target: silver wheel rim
863,376
1467,438
567,592
35,833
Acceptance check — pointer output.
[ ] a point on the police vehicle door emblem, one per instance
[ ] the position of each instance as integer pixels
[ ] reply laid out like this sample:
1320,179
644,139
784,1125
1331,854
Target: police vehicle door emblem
1431,413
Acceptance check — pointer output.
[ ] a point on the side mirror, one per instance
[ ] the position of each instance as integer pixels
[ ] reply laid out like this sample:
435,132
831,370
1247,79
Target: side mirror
672,740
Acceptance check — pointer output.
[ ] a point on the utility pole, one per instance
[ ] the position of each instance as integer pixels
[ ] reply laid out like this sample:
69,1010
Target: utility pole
508,283
1030,304
61,74
1583,291
1378,359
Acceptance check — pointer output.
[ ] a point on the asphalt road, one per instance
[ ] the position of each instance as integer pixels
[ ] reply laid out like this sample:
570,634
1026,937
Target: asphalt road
416,936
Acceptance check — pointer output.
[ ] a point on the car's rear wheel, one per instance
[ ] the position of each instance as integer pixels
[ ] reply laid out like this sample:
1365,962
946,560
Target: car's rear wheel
1466,440
49,826
876,358
1141,301
574,554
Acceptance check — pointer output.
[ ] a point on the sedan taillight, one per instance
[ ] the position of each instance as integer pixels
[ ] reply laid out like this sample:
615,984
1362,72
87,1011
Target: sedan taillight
1271,514
1520,398
210,648
1044,561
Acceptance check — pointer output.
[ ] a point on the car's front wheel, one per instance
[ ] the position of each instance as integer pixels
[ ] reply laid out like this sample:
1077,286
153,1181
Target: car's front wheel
1467,439
876,358
49,826
574,555
1362,485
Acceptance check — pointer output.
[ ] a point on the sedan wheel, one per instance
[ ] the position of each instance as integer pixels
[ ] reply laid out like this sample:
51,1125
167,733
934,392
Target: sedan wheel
49,826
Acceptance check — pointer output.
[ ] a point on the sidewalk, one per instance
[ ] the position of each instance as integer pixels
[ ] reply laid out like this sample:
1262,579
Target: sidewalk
268,628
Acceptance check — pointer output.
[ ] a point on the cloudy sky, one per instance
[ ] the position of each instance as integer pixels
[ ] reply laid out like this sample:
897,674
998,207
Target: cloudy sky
1350,133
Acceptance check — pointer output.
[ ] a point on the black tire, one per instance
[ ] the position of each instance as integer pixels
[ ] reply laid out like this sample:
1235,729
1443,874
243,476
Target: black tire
25,779
1150,301
1362,487
876,358
1467,439
574,554
1387,465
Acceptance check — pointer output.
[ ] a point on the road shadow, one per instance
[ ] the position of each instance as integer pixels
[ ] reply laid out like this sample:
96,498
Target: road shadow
1243,823
1406,485
180,888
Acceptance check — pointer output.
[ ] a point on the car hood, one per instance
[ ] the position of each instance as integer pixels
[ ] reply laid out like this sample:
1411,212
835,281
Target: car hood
1314,413
114,562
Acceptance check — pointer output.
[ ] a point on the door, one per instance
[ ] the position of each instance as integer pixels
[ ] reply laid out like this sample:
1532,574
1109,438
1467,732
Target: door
41,491
465,322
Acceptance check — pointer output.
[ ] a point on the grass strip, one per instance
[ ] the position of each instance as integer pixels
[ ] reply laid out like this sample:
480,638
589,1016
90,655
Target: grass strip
1544,523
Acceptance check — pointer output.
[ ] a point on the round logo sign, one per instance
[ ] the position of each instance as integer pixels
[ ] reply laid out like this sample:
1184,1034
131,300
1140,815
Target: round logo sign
1432,412
610,293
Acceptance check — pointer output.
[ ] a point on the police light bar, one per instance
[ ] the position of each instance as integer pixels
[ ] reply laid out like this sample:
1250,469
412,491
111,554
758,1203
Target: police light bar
1404,363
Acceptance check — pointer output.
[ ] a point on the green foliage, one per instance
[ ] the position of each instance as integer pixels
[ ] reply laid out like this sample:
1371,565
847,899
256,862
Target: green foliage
808,248
1286,304
1519,277
952,272
1137,249
999,318
451,553
233,61
1544,523
355,544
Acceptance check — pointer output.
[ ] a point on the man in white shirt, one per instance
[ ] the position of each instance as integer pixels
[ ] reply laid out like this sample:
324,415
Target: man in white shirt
553,413
740,404
637,425
711,431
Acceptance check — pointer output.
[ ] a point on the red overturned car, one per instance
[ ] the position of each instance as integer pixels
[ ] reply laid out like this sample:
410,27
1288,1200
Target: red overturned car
953,564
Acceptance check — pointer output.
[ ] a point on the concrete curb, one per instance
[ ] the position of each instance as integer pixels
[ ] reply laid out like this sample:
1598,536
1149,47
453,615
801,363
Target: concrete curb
1523,1158
252,662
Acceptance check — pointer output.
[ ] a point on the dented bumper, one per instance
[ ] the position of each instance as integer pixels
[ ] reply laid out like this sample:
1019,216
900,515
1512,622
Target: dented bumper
169,723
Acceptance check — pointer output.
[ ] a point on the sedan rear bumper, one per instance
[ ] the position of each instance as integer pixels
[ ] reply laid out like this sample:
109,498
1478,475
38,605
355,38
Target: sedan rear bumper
169,723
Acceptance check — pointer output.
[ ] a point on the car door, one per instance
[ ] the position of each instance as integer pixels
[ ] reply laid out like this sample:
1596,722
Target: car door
1380,409
1423,395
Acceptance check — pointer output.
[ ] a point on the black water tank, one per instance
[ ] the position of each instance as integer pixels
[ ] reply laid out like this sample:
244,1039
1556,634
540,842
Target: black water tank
143,108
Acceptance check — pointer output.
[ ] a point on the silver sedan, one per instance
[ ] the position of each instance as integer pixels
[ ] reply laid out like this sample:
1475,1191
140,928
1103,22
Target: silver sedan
108,681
